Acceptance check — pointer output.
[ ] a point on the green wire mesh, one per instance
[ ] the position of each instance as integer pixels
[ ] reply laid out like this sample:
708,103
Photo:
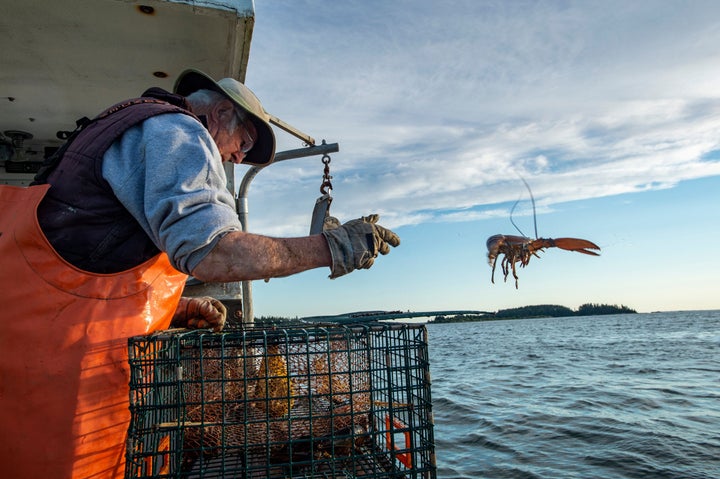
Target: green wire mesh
315,401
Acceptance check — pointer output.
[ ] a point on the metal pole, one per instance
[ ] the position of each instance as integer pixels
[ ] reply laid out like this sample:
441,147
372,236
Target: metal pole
242,206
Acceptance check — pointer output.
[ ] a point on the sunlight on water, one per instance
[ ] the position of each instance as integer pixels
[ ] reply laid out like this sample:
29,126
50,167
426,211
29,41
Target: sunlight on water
622,396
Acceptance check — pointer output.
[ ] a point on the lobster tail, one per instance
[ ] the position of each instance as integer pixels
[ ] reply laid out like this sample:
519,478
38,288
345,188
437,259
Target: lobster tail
576,244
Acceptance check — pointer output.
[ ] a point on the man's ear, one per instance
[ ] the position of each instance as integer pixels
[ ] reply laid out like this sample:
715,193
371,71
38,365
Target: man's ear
223,112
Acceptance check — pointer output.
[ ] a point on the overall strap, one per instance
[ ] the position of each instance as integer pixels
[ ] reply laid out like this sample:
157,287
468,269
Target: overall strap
152,95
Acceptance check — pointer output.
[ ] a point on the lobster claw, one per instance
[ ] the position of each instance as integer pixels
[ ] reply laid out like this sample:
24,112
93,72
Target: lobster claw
576,244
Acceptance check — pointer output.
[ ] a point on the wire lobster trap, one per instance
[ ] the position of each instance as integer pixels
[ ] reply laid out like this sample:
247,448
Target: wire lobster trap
317,401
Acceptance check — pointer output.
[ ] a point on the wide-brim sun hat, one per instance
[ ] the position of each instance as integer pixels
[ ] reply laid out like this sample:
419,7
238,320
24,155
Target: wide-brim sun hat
263,152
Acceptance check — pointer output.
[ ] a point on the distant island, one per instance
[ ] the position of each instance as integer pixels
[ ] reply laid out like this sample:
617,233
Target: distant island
538,311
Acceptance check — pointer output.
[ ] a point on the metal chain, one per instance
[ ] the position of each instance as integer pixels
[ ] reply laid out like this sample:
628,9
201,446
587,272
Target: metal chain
326,184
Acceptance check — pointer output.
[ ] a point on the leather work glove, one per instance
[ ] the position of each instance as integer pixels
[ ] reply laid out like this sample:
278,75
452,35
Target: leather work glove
356,244
200,313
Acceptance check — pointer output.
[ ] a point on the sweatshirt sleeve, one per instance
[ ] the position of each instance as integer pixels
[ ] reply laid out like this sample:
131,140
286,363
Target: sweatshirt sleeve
168,173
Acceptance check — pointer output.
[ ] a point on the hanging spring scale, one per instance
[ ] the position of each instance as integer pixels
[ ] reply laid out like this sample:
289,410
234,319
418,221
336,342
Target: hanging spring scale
321,212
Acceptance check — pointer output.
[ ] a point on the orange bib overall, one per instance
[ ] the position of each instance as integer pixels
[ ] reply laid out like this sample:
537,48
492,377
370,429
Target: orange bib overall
63,349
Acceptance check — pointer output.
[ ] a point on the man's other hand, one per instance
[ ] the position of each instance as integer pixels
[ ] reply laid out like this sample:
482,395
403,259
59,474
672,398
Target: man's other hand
200,313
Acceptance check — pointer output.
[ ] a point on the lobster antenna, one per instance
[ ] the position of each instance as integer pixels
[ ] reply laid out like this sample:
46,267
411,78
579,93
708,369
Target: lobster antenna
532,199
513,221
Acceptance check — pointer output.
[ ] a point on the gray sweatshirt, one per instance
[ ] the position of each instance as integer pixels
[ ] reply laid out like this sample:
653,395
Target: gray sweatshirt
167,172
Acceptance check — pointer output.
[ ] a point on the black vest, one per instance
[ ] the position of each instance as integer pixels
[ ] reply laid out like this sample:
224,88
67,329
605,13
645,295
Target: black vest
80,215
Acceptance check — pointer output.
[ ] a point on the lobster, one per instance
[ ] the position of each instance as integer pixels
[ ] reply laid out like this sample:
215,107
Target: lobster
519,249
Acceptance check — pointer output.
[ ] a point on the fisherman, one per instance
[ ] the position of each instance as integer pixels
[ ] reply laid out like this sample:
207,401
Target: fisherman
98,249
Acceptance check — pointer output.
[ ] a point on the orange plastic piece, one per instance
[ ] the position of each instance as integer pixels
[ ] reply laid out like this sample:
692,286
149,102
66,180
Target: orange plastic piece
390,425
164,447
63,335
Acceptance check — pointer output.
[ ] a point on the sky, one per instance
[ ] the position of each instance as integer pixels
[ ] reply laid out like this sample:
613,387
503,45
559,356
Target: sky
610,110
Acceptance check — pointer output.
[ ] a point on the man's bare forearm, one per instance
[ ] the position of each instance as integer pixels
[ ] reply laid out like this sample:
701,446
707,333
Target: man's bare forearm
242,256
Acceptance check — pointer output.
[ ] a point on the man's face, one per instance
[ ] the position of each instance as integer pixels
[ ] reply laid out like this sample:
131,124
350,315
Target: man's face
235,142
233,136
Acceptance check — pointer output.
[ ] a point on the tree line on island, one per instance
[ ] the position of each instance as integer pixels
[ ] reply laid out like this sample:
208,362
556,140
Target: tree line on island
539,311
525,312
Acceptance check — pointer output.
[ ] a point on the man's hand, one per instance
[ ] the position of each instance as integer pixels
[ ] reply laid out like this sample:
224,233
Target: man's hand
356,244
200,313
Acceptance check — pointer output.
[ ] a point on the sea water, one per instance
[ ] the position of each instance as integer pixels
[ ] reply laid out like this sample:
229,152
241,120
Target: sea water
621,396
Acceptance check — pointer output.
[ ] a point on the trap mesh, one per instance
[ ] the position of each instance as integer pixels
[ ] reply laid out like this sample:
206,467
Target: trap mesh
310,402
